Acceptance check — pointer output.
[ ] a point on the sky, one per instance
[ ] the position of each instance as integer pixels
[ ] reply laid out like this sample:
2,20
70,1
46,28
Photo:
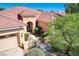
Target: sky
42,6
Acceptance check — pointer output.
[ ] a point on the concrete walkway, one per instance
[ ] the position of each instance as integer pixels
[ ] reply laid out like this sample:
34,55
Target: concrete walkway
13,52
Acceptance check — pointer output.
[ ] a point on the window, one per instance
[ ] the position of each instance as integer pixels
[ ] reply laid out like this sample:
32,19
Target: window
19,17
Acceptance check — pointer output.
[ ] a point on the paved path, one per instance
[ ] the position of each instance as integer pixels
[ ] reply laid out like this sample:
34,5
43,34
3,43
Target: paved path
13,52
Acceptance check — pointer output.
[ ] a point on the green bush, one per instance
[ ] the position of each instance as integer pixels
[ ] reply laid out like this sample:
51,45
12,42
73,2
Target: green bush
38,30
44,34
26,35
66,36
75,51
35,52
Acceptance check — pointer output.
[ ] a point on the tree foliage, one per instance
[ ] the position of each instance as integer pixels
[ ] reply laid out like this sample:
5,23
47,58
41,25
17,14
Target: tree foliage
35,52
40,10
66,34
2,9
72,7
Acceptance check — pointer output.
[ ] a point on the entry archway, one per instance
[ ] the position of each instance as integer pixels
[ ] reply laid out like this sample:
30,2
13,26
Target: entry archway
29,26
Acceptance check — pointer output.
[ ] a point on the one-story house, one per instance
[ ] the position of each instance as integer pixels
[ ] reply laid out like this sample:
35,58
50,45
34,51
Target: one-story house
11,33
15,21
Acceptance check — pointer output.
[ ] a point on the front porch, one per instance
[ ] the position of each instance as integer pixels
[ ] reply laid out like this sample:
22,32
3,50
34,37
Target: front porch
30,42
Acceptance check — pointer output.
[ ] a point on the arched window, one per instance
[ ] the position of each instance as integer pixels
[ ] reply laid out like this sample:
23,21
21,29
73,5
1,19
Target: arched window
19,17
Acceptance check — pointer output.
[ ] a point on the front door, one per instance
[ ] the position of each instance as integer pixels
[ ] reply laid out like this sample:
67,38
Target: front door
29,26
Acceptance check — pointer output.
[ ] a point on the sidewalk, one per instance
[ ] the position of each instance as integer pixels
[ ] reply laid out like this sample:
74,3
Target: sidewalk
13,52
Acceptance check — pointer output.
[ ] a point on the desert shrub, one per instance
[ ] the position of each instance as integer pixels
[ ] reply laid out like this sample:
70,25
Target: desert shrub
44,34
35,52
26,35
66,34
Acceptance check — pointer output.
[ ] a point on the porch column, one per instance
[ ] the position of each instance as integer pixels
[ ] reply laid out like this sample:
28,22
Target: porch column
21,38
25,28
33,29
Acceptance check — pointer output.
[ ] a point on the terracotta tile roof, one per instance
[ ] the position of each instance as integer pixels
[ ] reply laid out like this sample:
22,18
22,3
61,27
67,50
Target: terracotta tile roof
45,16
28,13
48,16
9,16
12,13
7,23
58,13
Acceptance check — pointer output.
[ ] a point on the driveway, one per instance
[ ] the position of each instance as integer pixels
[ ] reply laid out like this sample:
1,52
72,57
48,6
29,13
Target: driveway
12,52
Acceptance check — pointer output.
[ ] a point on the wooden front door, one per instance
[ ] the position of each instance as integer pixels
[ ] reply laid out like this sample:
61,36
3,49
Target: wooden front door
29,26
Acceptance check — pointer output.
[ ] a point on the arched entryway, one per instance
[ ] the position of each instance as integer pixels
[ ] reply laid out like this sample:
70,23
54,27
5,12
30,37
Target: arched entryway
29,26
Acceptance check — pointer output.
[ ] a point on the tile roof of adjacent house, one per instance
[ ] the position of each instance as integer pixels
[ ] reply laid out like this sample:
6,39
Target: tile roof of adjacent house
58,13
45,16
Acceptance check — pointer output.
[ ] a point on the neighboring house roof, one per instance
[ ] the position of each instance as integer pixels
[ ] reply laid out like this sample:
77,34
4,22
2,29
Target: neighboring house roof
48,16
58,13
45,16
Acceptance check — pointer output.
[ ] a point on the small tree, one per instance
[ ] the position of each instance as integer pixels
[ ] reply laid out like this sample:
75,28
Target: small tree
26,35
66,36
35,52
40,10
2,9
72,7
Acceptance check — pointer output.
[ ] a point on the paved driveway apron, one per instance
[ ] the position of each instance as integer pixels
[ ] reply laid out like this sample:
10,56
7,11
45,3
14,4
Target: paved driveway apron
13,52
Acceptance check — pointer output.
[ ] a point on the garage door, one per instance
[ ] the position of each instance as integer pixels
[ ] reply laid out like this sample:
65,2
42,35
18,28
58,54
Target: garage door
8,42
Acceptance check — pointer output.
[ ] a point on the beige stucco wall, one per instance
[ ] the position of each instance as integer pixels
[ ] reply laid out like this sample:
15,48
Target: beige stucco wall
11,42
20,38
29,19
8,43
43,25
8,33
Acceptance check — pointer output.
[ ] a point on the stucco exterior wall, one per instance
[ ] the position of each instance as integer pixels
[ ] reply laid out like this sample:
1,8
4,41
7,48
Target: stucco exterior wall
29,19
43,25
11,41
20,38
8,43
